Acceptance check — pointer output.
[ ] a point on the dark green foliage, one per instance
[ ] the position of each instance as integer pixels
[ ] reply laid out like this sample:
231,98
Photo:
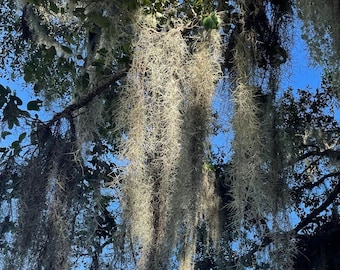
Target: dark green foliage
210,22
34,105
320,250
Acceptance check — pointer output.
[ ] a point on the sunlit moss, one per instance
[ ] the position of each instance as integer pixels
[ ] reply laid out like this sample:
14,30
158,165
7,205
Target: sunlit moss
165,109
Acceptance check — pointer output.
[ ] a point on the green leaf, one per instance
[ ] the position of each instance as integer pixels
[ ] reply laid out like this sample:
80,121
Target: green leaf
13,121
99,20
51,52
37,87
3,95
22,136
4,134
209,23
66,49
34,105
16,100
15,145
4,91
146,2
29,73
98,62
214,18
126,48
103,51
53,7
79,12
11,112
69,39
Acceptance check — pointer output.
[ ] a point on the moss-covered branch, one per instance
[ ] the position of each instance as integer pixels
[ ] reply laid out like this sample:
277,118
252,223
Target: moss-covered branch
84,101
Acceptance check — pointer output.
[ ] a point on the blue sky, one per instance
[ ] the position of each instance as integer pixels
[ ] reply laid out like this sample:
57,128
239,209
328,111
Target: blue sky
300,72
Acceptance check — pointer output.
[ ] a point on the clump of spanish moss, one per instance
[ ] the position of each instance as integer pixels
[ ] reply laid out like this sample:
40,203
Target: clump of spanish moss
257,188
151,115
44,208
195,190
165,116
248,188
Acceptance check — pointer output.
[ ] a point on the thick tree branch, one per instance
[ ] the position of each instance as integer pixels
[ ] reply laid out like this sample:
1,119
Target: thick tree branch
309,218
330,153
84,101
246,259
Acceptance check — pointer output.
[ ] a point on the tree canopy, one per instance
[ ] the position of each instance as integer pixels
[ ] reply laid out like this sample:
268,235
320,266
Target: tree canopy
107,159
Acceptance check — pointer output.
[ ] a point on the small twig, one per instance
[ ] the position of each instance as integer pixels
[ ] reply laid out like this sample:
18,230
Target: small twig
310,185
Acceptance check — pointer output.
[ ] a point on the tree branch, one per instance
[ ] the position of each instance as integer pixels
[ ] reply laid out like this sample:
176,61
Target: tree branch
330,153
246,258
84,101
309,218
310,185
